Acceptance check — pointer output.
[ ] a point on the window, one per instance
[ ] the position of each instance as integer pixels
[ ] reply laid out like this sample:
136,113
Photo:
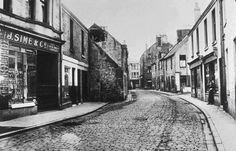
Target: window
206,34
71,35
192,46
213,15
66,79
149,69
82,43
17,73
166,64
31,4
211,74
182,61
44,10
6,5
197,34
171,63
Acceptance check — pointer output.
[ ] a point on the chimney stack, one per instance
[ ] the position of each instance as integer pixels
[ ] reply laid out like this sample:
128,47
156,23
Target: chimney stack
197,12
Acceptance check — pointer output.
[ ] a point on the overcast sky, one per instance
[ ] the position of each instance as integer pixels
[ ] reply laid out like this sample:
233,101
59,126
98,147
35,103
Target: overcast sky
137,22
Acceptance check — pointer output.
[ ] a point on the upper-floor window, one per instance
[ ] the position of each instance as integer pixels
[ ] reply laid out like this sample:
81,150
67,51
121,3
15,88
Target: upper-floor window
31,10
206,34
197,37
71,35
166,64
44,10
6,5
213,16
82,42
192,42
182,61
171,63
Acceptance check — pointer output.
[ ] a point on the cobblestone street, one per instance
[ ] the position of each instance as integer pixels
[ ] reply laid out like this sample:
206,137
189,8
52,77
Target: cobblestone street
151,122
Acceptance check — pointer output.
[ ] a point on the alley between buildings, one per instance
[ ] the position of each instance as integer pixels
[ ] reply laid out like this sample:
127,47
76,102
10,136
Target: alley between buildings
149,122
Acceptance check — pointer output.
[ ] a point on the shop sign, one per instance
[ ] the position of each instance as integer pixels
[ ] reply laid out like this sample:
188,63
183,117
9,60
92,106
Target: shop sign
21,38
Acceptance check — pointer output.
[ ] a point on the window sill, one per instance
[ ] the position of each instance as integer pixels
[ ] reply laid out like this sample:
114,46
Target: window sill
206,48
214,43
83,56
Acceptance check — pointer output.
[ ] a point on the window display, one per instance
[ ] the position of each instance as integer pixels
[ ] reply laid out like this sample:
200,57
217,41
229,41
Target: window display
17,73
211,74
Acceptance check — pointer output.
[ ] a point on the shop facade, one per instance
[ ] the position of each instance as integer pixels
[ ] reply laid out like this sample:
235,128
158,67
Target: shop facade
30,46
74,53
29,72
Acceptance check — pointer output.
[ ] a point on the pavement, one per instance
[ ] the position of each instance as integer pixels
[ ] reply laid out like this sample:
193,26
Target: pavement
25,123
222,125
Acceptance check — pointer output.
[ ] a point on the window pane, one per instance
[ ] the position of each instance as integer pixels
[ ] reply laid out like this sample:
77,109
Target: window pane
1,4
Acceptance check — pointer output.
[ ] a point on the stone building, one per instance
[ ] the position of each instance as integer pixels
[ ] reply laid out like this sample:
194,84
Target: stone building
227,10
30,46
175,69
74,59
149,61
108,66
134,74
205,56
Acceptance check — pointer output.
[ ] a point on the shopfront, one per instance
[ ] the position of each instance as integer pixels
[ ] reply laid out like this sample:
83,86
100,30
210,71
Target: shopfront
212,75
196,68
29,70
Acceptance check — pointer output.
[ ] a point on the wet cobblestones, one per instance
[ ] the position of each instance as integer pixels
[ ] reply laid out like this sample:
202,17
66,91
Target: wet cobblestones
151,123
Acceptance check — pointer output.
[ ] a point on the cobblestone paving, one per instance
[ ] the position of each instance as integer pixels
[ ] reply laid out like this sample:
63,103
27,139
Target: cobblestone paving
151,122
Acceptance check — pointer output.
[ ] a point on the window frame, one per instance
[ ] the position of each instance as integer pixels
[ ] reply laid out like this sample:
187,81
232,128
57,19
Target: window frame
206,33
180,60
213,17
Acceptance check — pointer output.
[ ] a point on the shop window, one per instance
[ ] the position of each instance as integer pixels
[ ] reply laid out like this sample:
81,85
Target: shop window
198,82
211,74
193,78
17,74
66,79
183,81
182,61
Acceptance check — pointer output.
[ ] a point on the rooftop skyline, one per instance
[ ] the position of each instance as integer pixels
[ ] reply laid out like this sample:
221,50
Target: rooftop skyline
137,22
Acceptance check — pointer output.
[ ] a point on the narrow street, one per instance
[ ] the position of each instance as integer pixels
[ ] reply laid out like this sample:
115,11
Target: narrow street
150,122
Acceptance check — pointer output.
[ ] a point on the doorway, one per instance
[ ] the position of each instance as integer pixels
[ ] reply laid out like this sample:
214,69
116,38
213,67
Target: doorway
47,80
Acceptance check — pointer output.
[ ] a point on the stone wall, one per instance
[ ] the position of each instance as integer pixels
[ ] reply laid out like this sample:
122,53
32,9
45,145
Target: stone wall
105,76
76,51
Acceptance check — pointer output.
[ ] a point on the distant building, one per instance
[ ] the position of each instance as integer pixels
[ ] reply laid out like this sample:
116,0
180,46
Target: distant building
151,57
174,71
108,63
134,74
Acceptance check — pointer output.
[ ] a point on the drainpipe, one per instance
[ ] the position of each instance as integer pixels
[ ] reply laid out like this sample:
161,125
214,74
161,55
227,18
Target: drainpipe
222,62
60,60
